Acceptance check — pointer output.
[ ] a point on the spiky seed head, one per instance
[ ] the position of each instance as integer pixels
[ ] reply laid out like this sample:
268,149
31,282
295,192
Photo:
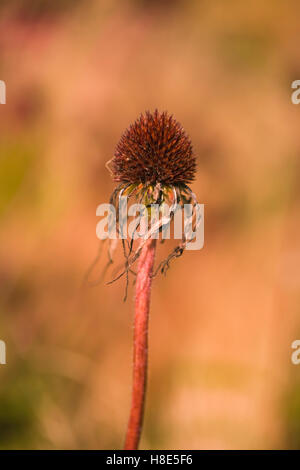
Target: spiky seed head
155,149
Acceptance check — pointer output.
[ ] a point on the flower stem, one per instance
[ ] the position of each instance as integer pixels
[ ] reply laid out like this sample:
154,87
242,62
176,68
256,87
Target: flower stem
140,350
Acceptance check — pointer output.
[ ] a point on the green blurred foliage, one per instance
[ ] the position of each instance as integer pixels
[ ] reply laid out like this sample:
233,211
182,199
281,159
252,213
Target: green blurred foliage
17,159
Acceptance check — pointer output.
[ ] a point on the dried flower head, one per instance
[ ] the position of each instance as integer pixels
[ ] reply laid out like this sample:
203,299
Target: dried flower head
153,163
154,149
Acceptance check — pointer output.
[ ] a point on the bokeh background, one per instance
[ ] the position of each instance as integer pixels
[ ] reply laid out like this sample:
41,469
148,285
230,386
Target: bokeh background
223,319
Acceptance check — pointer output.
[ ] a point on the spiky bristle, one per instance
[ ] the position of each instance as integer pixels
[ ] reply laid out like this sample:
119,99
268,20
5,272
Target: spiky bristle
155,149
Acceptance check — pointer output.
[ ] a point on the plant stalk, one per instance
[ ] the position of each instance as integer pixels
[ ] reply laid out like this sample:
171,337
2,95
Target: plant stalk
140,349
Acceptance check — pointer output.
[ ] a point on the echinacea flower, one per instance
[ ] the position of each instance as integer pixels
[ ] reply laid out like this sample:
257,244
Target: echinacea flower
153,163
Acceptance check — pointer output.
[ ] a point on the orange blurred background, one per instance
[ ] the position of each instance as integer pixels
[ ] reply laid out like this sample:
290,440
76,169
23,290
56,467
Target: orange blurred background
223,319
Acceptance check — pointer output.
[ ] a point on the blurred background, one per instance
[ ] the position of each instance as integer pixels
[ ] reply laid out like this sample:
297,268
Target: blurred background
223,319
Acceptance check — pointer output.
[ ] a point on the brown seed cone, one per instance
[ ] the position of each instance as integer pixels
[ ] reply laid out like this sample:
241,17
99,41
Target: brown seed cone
154,149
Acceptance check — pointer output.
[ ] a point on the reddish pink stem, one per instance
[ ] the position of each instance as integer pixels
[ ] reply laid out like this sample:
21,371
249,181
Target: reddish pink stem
140,350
